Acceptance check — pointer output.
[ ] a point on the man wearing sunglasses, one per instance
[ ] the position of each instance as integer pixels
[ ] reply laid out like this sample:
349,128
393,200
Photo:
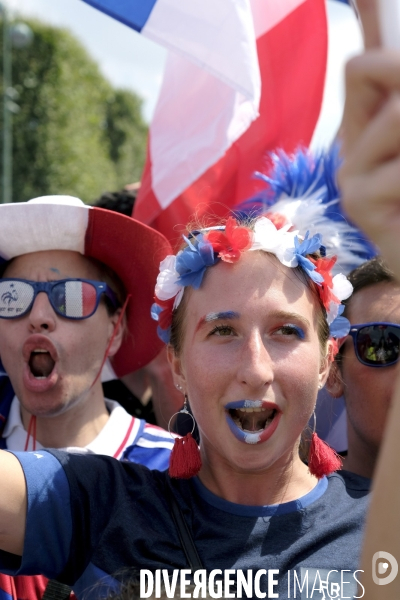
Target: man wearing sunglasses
75,290
76,287
365,368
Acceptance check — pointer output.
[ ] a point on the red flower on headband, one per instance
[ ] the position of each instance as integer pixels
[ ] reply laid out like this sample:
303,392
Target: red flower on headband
230,243
165,316
324,266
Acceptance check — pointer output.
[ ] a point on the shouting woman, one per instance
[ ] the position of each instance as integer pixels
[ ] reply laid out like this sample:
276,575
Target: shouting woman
249,312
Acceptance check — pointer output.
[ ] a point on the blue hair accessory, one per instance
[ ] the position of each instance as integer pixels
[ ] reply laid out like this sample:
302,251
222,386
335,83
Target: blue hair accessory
302,187
192,261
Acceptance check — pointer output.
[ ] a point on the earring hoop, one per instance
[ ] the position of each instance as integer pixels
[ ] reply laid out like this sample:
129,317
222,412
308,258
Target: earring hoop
183,411
185,459
314,421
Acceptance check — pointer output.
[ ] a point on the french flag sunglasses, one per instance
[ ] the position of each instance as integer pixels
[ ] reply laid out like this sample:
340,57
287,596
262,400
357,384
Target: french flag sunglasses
70,298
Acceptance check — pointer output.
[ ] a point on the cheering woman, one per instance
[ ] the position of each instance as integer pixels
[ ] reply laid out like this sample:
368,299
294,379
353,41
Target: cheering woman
249,312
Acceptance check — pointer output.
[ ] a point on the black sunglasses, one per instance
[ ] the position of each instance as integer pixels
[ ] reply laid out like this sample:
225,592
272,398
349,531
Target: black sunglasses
376,344
70,298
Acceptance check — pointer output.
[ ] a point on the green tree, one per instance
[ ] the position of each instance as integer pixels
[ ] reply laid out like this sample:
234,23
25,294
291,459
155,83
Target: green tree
126,133
74,134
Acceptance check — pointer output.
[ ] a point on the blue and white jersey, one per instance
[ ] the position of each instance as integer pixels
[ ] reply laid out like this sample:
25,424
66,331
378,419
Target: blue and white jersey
151,446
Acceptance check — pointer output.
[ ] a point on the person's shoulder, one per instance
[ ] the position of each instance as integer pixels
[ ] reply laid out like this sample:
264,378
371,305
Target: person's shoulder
87,470
353,484
88,464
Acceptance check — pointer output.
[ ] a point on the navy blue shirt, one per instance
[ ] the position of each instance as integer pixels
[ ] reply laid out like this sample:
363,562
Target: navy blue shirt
92,516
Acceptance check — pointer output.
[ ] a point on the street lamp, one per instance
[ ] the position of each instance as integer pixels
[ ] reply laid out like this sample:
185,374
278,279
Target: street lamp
18,35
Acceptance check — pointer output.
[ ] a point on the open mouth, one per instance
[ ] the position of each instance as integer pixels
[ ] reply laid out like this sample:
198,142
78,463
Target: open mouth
41,363
252,420
40,373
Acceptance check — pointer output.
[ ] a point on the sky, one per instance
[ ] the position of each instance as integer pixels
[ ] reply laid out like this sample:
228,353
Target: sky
127,59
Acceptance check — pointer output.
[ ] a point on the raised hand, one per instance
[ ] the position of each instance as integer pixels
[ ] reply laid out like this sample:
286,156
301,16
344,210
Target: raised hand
370,176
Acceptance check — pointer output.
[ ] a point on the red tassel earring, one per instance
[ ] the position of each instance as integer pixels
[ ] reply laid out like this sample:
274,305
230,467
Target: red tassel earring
185,459
322,459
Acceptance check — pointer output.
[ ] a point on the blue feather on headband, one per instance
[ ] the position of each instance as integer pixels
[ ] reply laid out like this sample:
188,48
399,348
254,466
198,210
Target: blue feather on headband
302,187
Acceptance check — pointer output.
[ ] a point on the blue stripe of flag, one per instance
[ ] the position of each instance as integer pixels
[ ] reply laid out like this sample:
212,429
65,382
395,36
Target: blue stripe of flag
133,13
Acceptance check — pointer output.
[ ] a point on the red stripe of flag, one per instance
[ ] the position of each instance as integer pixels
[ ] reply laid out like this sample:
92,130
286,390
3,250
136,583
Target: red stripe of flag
293,58
88,299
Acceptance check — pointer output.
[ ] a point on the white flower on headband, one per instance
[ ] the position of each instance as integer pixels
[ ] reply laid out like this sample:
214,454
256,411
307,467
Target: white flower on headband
280,242
166,286
205,250
341,287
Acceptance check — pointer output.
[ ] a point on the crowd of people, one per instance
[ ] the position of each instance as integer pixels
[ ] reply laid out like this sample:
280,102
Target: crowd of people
238,331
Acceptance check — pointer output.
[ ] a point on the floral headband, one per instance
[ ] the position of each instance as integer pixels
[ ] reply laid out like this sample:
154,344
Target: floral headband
207,247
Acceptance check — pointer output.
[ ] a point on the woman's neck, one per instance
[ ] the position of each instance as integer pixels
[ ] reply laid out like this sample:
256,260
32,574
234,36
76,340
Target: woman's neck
276,485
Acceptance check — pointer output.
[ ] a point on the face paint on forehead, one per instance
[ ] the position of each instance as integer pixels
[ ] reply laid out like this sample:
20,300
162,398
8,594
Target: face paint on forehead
215,316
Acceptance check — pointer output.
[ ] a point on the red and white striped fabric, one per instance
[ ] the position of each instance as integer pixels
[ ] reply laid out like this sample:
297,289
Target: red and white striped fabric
195,164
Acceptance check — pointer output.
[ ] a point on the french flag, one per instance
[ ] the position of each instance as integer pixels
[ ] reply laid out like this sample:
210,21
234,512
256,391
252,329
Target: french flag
80,299
302,46
212,129
214,37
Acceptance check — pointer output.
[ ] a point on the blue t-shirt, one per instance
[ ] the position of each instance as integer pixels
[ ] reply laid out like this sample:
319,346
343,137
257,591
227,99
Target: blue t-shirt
91,517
